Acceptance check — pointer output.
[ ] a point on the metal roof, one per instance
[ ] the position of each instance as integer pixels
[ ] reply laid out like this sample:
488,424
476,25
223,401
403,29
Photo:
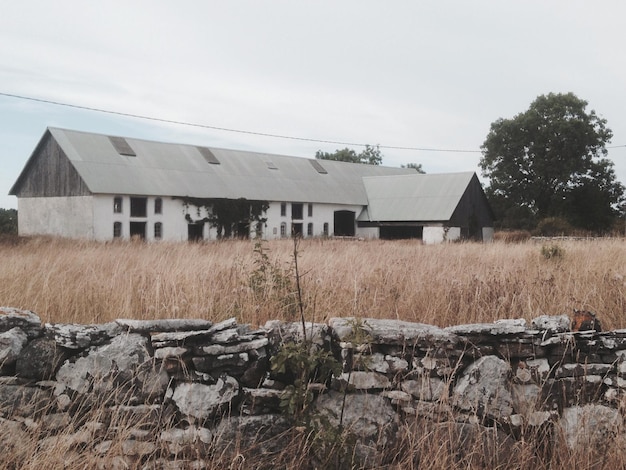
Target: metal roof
169,169
401,198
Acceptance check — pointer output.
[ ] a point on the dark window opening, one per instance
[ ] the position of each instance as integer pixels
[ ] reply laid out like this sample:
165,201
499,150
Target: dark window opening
296,230
138,229
344,223
195,232
158,230
325,229
138,207
117,205
158,205
117,229
310,211
296,211
309,230
122,146
400,232
283,230
283,209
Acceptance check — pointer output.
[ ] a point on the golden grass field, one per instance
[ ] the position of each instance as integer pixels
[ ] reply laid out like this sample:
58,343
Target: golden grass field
90,282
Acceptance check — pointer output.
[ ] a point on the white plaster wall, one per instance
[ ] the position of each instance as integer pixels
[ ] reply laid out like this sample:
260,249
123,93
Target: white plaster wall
322,213
172,218
487,234
437,234
70,217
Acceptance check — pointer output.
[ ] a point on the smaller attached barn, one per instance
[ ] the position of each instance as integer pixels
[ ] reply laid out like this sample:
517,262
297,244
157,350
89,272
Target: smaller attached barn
86,185
435,208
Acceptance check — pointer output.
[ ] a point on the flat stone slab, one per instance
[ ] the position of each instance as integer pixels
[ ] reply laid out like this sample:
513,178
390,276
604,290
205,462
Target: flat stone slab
390,331
75,336
159,326
498,328
29,322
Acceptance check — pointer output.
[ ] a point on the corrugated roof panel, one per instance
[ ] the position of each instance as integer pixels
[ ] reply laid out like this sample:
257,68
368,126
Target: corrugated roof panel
415,197
167,169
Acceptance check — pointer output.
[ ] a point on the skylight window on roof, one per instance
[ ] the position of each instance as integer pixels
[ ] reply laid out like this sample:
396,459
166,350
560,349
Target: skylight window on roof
318,166
122,147
271,165
208,155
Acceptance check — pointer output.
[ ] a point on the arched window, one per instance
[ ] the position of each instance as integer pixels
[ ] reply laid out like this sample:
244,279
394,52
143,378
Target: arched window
158,205
117,229
283,229
117,205
309,230
158,230
325,229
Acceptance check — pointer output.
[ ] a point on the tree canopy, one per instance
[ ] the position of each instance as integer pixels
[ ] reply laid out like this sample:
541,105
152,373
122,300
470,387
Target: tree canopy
550,161
8,221
416,166
371,155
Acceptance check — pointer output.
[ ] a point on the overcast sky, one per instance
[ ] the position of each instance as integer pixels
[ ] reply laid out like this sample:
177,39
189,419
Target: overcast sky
428,75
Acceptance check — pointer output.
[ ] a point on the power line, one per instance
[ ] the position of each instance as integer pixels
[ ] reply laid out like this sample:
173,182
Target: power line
226,129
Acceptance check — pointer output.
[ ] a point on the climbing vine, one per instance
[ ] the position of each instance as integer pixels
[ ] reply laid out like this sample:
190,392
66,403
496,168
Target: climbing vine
231,217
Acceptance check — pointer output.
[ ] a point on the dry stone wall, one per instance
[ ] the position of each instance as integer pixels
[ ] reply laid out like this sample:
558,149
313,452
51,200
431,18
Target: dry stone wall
186,389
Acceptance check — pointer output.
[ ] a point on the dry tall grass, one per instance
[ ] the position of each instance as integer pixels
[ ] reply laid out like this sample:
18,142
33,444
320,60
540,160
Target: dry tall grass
89,282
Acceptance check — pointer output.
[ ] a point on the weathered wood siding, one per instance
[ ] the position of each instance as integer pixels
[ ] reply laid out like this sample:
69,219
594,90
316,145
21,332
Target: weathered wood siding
49,173
473,209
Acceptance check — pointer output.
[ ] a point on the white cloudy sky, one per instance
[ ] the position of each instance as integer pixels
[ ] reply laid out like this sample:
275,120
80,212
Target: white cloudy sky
420,74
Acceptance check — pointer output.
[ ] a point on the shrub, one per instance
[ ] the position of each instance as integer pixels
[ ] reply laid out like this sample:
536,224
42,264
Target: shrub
553,227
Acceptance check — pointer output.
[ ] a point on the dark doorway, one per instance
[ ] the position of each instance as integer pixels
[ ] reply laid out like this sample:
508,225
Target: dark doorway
138,229
243,230
296,230
400,232
344,223
194,232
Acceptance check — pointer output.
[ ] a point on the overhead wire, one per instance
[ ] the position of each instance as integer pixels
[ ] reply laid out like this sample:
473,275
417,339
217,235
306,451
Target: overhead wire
226,129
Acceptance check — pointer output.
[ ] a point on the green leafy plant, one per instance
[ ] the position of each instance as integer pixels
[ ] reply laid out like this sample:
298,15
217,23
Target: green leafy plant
552,252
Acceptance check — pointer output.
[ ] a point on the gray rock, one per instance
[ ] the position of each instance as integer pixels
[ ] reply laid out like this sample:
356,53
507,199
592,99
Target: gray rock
29,322
219,349
265,434
370,418
202,401
498,328
283,332
426,388
73,336
360,380
20,400
590,426
484,388
40,359
122,364
11,344
175,324
392,331
554,324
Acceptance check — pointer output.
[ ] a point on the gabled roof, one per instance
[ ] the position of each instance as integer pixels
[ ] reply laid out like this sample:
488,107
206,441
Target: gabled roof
401,198
169,169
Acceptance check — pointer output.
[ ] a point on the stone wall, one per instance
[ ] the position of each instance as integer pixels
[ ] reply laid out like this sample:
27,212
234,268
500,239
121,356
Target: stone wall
185,389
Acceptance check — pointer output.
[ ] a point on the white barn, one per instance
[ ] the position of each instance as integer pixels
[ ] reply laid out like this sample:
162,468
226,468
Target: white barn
84,185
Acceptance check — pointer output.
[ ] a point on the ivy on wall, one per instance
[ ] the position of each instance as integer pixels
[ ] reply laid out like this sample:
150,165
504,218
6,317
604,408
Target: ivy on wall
231,217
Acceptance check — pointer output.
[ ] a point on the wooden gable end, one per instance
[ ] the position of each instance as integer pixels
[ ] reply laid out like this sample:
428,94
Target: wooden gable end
473,209
49,173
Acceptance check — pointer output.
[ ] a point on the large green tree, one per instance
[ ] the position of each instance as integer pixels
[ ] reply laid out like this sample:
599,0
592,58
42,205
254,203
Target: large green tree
8,221
371,155
550,161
